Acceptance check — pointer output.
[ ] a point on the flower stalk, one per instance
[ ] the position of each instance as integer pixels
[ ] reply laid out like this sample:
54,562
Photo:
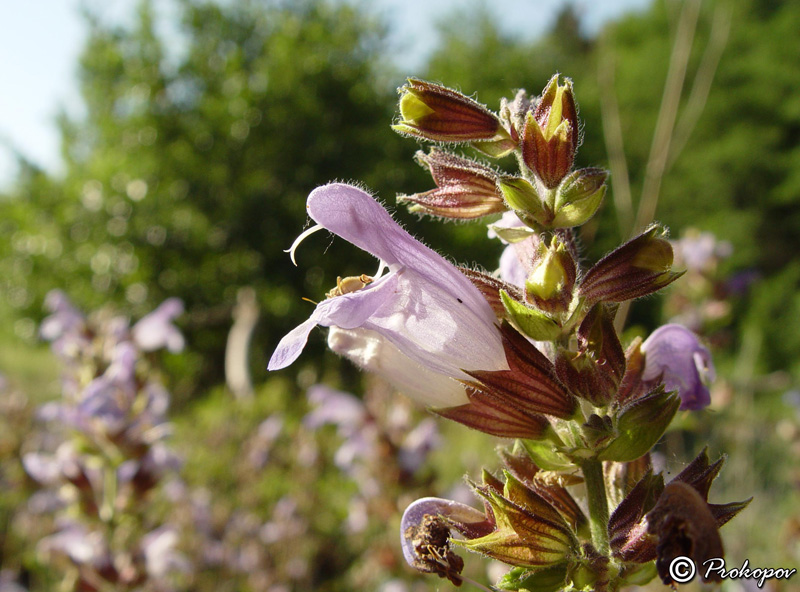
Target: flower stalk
597,499
530,352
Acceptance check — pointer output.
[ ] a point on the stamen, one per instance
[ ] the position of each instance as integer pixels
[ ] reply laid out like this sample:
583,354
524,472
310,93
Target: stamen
381,268
303,236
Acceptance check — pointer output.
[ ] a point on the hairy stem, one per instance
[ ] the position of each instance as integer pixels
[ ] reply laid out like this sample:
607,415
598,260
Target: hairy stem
598,503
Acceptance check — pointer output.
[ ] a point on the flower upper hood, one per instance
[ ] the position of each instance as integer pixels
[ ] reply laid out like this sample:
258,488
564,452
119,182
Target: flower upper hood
424,305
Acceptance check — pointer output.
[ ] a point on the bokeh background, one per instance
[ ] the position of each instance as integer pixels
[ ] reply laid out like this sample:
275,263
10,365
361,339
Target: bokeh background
193,132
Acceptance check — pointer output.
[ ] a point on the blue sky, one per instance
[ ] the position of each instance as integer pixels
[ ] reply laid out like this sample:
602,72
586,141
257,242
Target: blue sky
40,42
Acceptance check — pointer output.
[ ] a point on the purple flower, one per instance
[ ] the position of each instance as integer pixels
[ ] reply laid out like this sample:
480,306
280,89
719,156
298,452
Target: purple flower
349,415
155,330
674,356
418,444
334,407
160,554
82,546
425,307
65,317
65,327
699,251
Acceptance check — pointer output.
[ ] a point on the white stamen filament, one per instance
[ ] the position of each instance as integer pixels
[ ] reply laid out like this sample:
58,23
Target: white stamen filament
381,268
303,236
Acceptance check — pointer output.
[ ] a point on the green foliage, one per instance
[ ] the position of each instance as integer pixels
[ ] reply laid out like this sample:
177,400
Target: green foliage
188,175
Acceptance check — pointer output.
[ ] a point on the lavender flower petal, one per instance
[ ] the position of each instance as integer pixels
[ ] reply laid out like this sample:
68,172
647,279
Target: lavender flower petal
155,330
674,356
333,407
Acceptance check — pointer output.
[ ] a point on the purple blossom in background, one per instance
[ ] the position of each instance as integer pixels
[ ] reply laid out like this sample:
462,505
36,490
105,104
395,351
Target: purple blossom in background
155,330
81,545
114,454
674,356
260,445
418,444
65,328
333,407
698,251
351,419
160,554
511,269
65,317
424,306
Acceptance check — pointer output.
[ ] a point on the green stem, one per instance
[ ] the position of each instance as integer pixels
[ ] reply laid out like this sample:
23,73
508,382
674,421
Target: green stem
598,503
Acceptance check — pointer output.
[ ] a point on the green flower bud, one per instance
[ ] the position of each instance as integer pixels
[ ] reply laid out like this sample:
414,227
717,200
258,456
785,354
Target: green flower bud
522,196
551,283
548,579
640,424
578,197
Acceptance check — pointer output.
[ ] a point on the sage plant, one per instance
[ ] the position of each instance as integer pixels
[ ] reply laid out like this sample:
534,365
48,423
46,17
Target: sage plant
105,454
528,353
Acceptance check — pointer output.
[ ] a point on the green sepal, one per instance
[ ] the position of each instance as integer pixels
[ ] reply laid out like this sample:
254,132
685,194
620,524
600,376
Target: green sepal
546,456
640,424
512,235
498,148
523,537
521,195
548,579
533,323
638,574
578,197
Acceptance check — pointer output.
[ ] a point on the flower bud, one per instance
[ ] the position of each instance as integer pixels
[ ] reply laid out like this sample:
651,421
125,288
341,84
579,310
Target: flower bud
436,113
640,424
627,535
551,283
638,268
631,386
548,579
550,137
465,189
578,197
521,196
